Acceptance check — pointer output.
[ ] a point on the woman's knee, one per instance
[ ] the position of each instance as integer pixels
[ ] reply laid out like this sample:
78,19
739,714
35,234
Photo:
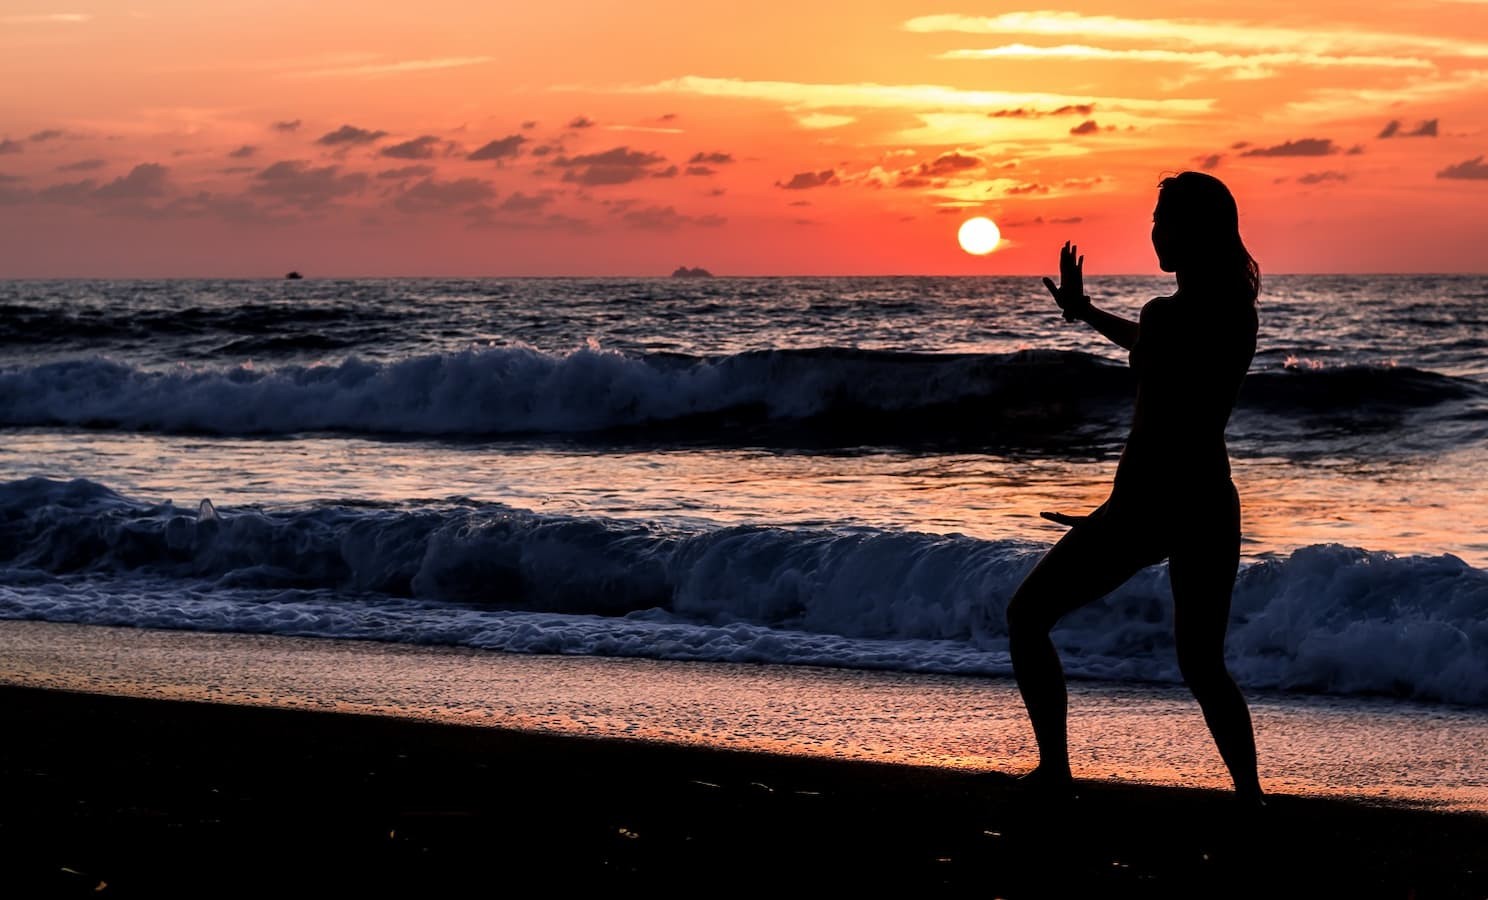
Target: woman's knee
1027,614
1204,671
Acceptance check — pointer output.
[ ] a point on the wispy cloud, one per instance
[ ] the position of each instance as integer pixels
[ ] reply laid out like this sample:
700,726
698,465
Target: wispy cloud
862,95
1344,102
819,121
394,68
649,129
1193,32
46,18
1253,65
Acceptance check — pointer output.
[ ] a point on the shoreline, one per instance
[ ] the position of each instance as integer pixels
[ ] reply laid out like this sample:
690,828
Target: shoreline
1358,749
150,796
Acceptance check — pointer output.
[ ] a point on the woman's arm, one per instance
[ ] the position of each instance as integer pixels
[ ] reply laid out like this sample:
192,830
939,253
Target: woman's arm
1120,330
1070,295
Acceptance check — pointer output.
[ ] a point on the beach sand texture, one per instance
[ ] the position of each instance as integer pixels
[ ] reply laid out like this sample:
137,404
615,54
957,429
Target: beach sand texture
605,781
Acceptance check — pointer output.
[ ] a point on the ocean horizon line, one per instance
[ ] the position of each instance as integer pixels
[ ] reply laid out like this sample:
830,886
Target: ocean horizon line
668,277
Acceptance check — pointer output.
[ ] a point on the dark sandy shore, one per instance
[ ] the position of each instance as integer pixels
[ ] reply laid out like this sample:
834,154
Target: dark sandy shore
106,796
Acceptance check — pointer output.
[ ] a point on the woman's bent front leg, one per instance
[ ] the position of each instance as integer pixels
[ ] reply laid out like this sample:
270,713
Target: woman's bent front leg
1085,565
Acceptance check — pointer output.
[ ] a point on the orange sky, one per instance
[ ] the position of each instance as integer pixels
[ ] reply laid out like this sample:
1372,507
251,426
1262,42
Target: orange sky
445,137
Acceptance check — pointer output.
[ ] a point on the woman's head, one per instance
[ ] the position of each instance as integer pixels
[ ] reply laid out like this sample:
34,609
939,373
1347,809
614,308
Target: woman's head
1196,231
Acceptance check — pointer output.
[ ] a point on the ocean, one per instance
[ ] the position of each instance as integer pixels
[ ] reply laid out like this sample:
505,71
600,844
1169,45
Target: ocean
840,472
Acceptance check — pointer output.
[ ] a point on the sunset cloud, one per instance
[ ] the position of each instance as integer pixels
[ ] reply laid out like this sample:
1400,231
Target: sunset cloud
430,195
1321,177
1428,128
819,121
581,122
869,95
49,134
1026,188
1302,147
46,18
1086,127
393,68
1022,112
645,129
297,183
418,148
949,163
9,146
144,182
1252,65
802,181
68,192
405,172
349,134
501,148
710,159
521,203
243,152
619,165
1361,100
287,126
1212,33
1473,170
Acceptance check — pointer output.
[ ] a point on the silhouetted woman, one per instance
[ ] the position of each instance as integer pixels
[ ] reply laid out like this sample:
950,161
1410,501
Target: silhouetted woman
1172,497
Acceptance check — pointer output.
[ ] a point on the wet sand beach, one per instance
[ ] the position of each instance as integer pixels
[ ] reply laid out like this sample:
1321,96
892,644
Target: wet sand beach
110,796
409,769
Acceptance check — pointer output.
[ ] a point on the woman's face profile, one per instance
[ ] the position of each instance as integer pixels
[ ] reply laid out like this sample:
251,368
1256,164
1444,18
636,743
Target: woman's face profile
1162,243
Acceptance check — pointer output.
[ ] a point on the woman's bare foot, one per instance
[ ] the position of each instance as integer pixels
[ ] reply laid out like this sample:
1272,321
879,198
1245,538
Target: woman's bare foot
1049,781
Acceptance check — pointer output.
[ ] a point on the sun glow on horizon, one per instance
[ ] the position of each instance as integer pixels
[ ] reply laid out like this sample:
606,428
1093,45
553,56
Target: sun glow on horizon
979,236
820,138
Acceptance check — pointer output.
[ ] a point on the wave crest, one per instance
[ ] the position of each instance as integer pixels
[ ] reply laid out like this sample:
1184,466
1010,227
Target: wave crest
785,395
1327,618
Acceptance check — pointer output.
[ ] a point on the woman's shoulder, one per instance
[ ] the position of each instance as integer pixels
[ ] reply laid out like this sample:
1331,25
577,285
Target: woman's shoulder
1158,306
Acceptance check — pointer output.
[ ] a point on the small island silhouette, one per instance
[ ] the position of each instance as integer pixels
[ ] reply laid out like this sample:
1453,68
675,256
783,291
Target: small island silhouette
293,275
685,272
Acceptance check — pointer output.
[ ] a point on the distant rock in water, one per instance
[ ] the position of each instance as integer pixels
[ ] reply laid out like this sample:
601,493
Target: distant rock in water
685,272
294,275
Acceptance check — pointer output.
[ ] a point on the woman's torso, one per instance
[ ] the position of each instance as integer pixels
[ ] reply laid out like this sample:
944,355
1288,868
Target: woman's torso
1191,354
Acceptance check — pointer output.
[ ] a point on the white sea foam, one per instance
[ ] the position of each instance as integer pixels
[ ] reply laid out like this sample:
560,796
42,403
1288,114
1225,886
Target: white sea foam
1328,618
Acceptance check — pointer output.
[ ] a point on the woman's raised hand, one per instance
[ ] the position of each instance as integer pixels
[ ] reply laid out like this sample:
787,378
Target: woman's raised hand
1070,292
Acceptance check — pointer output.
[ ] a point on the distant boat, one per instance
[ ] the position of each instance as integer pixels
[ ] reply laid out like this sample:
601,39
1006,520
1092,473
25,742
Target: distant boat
685,272
294,275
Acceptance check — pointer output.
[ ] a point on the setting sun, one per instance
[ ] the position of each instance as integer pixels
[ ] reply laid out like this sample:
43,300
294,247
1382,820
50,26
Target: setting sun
979,236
